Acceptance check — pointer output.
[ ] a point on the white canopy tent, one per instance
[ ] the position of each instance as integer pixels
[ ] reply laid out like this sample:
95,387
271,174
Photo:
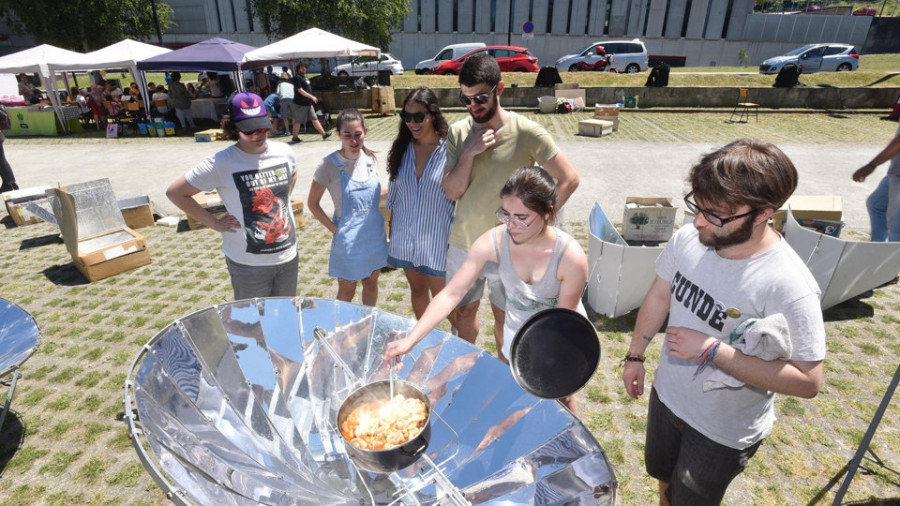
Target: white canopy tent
122,54
312,43
39,60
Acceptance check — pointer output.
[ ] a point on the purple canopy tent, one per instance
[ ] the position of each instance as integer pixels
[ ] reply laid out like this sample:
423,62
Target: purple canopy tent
216,54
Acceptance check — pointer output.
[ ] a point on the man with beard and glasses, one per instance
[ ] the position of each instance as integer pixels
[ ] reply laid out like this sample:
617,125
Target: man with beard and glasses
482,152
744,322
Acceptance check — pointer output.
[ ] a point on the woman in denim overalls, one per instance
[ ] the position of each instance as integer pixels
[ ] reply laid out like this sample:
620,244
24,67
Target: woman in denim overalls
359,246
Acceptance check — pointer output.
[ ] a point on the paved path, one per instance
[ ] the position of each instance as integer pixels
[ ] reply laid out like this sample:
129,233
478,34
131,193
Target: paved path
610,172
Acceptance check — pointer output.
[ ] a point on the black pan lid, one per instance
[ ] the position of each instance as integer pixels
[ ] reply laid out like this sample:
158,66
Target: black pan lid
554,353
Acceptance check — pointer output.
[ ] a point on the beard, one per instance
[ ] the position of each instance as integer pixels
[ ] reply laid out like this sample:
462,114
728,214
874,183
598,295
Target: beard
490,112
741,235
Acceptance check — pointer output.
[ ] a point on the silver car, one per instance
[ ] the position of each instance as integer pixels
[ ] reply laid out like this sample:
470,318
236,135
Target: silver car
811,58
628,56
369,66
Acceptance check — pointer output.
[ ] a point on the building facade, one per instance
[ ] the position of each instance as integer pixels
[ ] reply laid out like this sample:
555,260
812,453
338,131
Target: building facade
705,32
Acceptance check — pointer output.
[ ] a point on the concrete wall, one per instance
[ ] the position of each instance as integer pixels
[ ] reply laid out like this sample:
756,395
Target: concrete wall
679,97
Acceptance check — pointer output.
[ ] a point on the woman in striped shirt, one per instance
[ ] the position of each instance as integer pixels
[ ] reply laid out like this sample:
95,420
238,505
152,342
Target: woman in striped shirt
421,213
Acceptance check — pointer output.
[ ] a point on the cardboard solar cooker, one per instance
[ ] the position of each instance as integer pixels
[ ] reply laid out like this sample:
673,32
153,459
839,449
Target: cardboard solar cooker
843,269
238,404
94,231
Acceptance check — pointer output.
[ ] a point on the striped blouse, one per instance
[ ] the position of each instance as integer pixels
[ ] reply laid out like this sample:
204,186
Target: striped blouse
421,211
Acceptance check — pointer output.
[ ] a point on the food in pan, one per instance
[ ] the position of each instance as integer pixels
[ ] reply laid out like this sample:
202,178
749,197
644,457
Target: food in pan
384,424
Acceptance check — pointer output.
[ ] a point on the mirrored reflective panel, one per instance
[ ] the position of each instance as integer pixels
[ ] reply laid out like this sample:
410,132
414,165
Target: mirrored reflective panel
19,336
238,404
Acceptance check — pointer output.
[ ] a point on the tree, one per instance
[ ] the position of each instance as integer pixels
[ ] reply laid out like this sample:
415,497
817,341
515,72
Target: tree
367,21
85,25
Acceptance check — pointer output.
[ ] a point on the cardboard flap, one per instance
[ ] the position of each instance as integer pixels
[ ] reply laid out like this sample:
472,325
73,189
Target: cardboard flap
620,275
843,269
64,209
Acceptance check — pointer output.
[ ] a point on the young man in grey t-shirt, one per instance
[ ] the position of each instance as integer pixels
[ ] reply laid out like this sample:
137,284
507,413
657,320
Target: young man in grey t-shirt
725,282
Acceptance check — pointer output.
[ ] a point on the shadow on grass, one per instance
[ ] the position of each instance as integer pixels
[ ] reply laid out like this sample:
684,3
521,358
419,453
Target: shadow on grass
850,309
11,437
8,222
44,240
65,275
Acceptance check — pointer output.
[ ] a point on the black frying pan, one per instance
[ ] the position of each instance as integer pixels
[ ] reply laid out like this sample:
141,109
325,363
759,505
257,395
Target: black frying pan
554,353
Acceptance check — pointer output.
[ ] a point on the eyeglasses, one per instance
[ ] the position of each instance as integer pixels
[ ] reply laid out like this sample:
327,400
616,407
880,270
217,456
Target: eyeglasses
480,99
257,131
412,117
510,220
714,219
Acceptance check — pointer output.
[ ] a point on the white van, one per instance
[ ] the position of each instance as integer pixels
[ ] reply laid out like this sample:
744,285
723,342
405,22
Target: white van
451,52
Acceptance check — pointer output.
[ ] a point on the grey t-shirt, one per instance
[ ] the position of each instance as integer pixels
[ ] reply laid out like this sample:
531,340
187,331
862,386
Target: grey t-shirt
703,286
329,175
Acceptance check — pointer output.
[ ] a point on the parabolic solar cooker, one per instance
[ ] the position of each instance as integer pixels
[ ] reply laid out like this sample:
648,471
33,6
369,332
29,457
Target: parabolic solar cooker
239,404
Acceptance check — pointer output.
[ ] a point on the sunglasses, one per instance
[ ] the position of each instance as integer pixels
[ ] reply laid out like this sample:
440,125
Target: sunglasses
479,99
257,131
412,117
713,219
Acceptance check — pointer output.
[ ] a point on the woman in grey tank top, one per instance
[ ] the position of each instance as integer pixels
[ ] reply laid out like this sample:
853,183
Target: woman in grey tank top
541,266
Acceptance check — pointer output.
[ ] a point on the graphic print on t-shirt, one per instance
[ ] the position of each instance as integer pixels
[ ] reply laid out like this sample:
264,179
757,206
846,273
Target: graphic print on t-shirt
698,301
265,197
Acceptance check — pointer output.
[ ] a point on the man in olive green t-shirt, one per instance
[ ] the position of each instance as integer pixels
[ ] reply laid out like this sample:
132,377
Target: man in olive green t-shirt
482,152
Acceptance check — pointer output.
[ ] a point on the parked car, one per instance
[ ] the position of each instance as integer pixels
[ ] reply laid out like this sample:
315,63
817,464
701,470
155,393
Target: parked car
369,66
628,56
831,57
811,8
865,11
510,58
451,52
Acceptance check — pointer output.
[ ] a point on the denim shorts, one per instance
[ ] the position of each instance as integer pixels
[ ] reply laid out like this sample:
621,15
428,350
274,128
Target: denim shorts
697,469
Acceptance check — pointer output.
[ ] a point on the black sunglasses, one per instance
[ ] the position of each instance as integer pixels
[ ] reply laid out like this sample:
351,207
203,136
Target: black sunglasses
414,117
479,99
714,219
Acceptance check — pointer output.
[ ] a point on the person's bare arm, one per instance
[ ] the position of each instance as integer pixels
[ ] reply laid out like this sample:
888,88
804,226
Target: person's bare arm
316,190
890,151
572,274
566,176
650,318
180,193
789,377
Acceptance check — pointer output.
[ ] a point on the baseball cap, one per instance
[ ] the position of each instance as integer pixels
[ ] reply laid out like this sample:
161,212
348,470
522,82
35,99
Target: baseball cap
249,113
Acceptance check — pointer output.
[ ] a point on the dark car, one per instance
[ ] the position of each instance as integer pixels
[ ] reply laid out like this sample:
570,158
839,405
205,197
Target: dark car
510,59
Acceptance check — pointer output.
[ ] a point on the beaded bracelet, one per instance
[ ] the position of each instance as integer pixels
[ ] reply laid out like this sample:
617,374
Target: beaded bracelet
633,358
707,356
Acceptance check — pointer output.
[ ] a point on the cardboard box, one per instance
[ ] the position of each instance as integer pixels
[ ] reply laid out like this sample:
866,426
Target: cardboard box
94,231
619,274
17,204
613,119
843,269
212,203
137,211
606,109
299,217
209,135
648,219
594,127
828,208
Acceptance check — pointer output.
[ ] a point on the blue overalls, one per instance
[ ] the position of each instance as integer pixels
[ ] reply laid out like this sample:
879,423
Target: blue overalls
360,245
